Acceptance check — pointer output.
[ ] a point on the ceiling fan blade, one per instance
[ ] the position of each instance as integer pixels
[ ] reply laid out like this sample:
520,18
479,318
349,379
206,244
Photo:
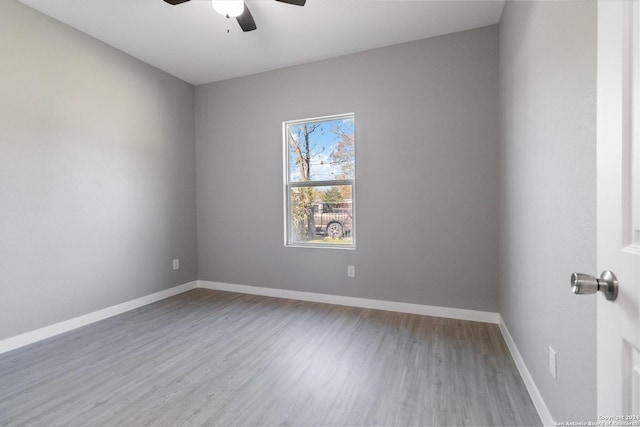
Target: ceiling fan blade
294,2
246,20
175,2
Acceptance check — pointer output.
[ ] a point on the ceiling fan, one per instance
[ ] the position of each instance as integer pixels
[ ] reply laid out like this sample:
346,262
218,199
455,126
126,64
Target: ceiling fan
237,9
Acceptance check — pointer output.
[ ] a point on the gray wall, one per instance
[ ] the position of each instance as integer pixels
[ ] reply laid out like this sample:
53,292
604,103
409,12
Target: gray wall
97,181
548,217
426,116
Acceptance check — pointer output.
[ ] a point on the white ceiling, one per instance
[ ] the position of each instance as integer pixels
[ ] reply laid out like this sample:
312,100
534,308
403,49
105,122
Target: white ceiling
190,41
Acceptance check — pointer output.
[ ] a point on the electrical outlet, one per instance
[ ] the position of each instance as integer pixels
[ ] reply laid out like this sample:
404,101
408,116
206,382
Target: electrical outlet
176,264
553,363
351,271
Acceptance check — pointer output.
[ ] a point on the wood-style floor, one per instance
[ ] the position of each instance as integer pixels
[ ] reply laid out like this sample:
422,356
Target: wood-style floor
209,358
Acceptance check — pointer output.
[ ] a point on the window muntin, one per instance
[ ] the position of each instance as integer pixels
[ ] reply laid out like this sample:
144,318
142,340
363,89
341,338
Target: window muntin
319,182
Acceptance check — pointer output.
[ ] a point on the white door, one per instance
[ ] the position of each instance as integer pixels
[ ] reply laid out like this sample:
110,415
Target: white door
618,170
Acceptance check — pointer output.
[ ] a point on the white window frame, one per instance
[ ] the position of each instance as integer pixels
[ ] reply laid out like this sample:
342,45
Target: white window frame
290,185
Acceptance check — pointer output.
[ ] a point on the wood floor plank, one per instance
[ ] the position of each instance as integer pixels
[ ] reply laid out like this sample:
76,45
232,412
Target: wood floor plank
206,358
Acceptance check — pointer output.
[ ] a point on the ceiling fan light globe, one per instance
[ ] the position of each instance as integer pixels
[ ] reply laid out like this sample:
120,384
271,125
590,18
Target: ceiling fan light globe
229,8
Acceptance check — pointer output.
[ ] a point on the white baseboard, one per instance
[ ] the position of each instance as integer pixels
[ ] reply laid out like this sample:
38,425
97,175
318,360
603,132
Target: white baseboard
536,397
402,307
77,322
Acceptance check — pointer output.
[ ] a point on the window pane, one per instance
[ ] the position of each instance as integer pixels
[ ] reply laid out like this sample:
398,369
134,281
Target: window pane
321,215
321,150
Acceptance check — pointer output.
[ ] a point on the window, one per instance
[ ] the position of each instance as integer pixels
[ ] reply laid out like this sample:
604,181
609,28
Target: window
320,182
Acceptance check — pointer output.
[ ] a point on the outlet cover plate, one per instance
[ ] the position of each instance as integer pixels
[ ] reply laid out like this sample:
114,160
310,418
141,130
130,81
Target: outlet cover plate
351,271
553,363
